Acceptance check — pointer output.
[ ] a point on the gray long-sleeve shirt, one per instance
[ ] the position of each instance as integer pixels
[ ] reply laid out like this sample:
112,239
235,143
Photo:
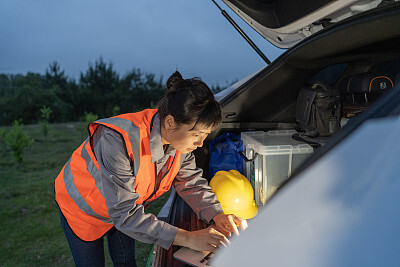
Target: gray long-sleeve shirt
118,186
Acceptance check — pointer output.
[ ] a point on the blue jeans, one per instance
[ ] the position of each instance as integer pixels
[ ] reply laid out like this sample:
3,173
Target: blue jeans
91,253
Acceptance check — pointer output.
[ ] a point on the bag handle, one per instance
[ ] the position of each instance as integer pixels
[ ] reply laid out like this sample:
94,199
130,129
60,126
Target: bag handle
323,85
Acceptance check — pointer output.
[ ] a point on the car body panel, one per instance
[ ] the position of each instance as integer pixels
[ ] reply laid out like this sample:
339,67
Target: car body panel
341,211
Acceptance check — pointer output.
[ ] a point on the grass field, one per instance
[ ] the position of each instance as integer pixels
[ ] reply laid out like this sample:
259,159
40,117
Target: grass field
30,231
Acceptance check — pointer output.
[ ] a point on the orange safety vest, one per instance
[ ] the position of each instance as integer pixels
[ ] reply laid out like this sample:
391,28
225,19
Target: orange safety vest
78,186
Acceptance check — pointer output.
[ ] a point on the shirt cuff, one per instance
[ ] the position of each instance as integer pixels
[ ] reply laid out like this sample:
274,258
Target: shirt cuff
167,235
211,212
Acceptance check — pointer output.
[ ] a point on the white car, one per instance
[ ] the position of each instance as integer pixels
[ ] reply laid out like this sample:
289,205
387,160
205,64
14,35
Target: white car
341,206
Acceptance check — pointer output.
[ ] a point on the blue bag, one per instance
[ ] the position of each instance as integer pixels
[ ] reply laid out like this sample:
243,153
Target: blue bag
225,156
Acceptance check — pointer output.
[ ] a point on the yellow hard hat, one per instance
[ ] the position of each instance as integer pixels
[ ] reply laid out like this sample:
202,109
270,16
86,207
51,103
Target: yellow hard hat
235,194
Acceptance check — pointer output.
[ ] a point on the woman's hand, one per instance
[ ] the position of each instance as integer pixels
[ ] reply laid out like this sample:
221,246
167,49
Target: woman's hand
226,223
202,240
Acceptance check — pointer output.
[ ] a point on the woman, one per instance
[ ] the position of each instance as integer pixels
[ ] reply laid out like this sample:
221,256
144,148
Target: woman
130,160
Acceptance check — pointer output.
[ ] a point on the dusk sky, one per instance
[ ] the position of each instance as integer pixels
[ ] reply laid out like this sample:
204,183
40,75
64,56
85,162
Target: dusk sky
156,36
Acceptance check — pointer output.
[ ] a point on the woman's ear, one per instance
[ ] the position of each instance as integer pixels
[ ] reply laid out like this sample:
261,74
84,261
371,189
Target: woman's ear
169,122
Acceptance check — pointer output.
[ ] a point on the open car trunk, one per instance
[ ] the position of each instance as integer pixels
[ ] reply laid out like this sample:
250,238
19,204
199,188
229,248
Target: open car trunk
366,43
284,23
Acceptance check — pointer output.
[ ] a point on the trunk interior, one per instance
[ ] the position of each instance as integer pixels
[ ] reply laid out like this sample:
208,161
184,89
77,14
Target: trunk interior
267,101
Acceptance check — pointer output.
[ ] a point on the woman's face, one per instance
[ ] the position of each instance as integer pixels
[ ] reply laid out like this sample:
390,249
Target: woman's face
183,138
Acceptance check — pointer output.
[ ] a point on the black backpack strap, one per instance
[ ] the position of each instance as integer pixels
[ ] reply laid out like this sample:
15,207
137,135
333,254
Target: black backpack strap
298,137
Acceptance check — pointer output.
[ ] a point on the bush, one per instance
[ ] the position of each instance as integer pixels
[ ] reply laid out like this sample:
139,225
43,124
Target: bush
89,118
44,120
17,139
116,110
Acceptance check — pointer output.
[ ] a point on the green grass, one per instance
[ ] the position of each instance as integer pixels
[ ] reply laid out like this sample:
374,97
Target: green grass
30,231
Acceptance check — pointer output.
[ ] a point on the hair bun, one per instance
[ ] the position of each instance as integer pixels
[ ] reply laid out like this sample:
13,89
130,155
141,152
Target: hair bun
174,79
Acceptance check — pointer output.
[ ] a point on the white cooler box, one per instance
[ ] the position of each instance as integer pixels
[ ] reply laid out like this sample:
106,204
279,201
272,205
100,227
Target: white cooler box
276,155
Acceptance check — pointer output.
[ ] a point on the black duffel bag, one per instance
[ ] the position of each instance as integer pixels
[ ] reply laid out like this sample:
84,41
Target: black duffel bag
363,88
318,110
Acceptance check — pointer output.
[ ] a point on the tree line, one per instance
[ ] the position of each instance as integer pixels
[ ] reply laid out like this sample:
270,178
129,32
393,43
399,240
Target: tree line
100,90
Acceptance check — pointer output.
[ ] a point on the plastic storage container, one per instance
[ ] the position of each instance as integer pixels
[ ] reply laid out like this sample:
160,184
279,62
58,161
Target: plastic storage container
273,155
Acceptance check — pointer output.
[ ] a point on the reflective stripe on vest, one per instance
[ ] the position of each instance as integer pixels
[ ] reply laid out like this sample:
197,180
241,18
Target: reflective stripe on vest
78,186
77,197
128,127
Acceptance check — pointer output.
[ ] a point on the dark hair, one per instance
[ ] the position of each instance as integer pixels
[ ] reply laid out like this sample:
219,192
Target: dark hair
188,101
